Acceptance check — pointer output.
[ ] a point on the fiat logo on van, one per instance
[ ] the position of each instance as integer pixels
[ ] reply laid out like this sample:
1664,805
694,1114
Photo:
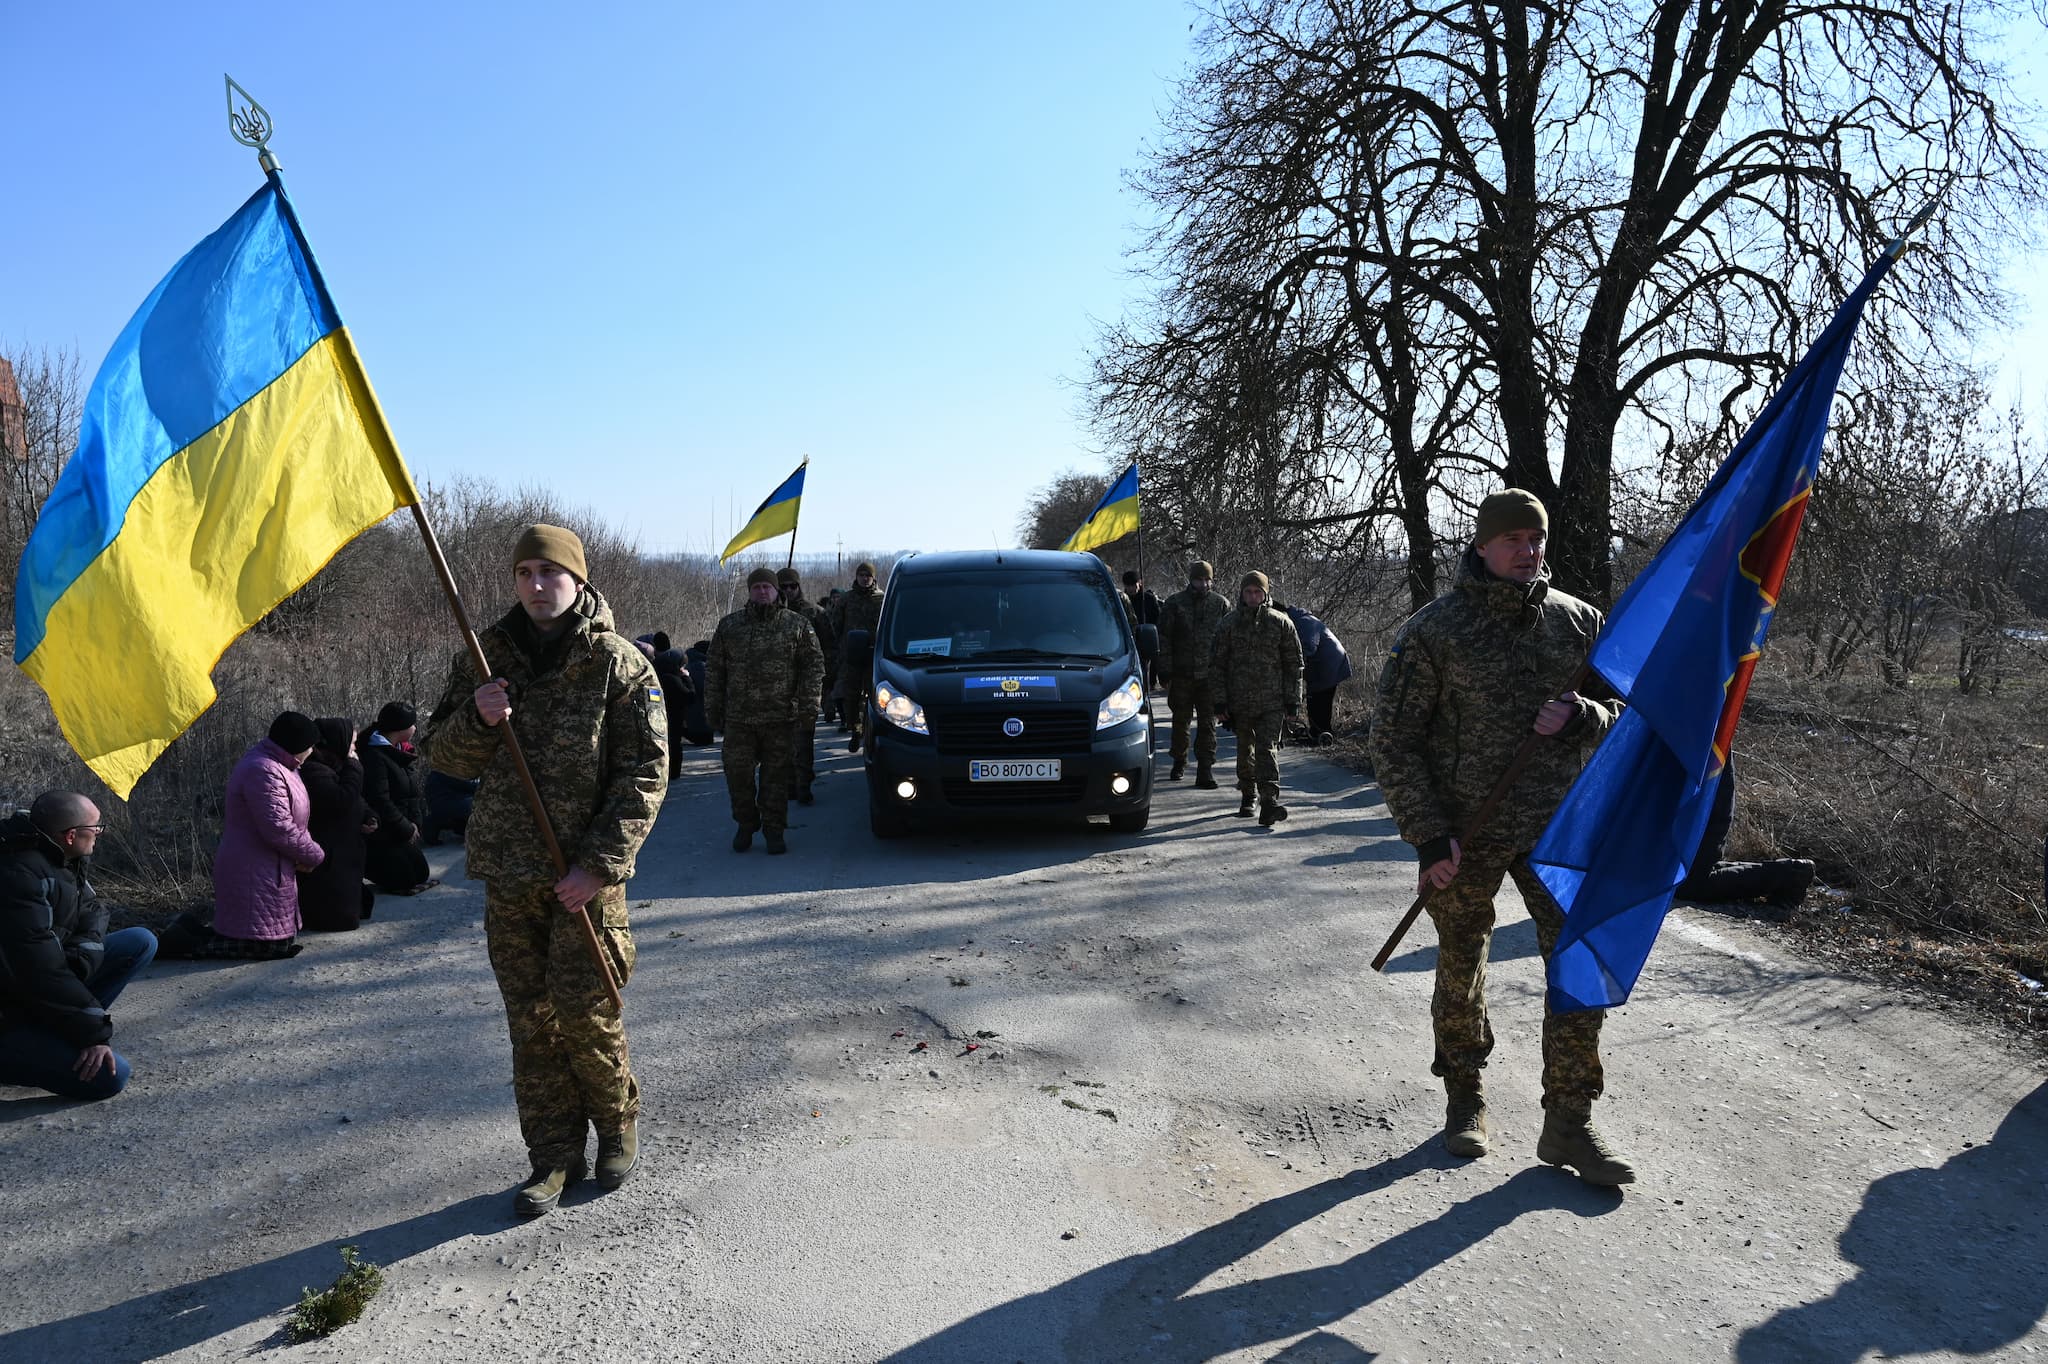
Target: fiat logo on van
1013,726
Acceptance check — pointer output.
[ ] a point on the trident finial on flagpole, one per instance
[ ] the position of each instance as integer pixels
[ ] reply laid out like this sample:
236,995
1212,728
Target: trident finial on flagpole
1897,248
250,124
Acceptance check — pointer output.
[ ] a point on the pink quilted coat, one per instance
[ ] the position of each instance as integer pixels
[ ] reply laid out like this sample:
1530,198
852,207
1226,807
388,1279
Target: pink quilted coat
263,841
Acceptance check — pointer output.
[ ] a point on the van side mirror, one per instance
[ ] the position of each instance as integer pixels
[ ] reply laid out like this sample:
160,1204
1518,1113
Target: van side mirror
1148,643
857,651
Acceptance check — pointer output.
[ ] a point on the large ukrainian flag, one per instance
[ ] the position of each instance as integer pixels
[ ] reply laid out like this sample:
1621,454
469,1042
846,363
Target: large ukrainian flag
1115,516
230,446
776,516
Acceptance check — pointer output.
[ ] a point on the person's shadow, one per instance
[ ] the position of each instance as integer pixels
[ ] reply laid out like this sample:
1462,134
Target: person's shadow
1948,1259
174,1318
1143,1306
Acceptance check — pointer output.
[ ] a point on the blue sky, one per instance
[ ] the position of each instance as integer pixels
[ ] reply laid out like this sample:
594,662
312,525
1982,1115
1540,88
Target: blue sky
648,259
651,256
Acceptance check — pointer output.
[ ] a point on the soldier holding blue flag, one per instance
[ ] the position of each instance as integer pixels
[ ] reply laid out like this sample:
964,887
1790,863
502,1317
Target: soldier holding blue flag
1470,675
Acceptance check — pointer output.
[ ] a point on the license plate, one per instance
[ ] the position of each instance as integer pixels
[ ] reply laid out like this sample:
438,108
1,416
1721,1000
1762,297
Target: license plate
1014,769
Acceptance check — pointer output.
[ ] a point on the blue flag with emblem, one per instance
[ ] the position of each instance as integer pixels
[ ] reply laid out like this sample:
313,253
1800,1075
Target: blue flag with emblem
1680,648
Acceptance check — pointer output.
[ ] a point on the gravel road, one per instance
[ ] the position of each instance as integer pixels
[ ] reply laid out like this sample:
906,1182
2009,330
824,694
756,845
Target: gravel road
1016,1093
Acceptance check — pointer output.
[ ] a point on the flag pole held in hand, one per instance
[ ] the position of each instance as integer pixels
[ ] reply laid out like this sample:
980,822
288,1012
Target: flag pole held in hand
1477,824
251,125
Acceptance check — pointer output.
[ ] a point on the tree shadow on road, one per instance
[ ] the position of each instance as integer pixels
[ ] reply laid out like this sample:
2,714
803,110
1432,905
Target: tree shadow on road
1146,1307
1950,1258
178,1317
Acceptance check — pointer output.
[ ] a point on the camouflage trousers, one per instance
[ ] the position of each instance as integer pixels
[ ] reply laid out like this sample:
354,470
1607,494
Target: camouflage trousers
569,1064
803,751
1258,761
853,707
1192,698
759,752
1463,914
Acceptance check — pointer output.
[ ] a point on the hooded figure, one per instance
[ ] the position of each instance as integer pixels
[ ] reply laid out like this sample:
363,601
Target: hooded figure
332,896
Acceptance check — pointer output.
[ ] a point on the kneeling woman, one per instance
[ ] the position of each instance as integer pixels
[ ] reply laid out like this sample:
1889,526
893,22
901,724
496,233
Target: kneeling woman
264,845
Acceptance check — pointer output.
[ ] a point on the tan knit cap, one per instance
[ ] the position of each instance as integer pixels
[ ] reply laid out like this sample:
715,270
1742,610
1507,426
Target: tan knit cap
1254,579
788,577
553,543
761,575
1200,569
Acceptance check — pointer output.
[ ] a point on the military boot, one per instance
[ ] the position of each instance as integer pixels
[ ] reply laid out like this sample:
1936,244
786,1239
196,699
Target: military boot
617,1154
1244,805
1205,777
544,1190
773,839
1464,1116
1271,812
742,839
1180,766
1570,1139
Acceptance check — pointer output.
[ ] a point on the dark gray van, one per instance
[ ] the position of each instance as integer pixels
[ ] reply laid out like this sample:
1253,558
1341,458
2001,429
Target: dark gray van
1009,684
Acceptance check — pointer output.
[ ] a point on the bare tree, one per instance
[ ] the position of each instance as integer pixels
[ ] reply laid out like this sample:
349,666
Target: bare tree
52,403
1471,240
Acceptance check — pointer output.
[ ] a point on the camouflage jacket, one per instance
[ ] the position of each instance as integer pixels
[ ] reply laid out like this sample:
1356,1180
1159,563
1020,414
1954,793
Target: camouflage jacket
821,624
854,609
1460,692
765,668
589,715
1255,662
1187,631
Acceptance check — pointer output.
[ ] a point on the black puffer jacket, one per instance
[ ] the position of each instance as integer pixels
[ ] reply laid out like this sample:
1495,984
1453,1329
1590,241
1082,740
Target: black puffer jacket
53,934
395,789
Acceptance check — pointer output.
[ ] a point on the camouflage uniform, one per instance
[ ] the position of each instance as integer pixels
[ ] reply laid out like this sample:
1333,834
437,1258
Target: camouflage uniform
1457,696
855,609
1187,630
1255,666
803,730
589,714
764,670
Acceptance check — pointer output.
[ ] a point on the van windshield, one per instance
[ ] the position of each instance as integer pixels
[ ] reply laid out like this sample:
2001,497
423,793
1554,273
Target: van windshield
1004,613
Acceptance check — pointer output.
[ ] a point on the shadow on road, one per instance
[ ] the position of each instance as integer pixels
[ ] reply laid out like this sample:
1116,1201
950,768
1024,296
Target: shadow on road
175,1318
1145,1306
1948,1259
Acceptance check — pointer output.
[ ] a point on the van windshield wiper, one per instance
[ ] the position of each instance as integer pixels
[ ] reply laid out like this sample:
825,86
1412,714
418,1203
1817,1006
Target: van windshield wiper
994,654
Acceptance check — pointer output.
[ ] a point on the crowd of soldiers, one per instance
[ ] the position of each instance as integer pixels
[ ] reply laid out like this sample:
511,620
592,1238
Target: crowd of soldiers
1468,678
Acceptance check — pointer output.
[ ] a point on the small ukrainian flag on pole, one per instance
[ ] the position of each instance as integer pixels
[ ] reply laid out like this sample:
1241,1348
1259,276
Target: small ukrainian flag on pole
230,446
1116,515
776,516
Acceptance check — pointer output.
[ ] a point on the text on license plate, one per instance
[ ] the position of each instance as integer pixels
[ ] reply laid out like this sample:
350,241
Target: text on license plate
1013,769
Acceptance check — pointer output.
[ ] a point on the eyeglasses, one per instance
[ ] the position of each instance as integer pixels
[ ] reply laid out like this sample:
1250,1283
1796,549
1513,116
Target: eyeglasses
791,587
86,829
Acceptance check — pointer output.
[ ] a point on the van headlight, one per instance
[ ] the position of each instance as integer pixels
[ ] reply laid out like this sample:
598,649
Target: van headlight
1121,704
899,710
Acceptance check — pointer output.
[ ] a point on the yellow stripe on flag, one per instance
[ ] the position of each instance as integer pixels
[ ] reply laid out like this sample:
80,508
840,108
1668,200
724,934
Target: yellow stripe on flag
777,518
225,530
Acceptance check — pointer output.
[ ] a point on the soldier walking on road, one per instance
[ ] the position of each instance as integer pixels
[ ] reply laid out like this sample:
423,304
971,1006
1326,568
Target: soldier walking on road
1187,632
1470,675
592,726
858,608
803,734
1256,667
762,680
